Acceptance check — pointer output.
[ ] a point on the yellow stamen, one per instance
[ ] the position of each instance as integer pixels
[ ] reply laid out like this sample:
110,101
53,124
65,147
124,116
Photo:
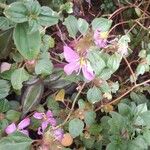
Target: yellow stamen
82,61
104,35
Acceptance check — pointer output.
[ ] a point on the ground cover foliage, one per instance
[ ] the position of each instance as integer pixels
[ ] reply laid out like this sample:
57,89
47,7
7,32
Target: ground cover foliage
74,75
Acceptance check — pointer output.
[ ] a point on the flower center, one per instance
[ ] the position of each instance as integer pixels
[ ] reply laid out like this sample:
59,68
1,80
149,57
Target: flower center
82,61
104,35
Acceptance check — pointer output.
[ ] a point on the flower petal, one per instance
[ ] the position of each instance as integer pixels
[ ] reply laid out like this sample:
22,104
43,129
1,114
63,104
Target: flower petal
52,121
23,124
58,134
38,115
73,66
39,131
70,55
11,128
88,72
44,125
49,114
24,132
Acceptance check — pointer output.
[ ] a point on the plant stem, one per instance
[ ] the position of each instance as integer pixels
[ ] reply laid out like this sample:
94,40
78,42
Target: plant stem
73,104
124,94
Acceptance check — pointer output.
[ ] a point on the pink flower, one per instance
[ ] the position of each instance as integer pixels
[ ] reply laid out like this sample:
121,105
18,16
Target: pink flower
20,127
100,38
47,119
58,134
77,63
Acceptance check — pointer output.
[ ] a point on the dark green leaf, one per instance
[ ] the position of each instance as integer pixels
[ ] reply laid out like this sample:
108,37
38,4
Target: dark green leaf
15,141
4,105
4,88
32,96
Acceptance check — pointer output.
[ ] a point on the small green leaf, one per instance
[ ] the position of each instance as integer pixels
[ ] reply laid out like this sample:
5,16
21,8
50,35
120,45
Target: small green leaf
83,26
106,74
4,105
76,127
146,117
31,97
18,77
101,23
29,44
95,129
15,141
89,117
114,62
13,115
148,59
4,23
44,67
97,62
4,88
71,24
142,68
16,12
47,17
94,95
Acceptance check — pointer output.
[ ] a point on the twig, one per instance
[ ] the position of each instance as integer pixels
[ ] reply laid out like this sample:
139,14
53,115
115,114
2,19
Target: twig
124,94
133,75
72,108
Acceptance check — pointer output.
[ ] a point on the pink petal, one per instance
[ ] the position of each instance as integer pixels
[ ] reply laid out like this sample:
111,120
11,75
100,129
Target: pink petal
70,55
73,66
23,124
49,114
88,72
44,125
52,121
24,132
11,128
39,131
58,134
38,115
5,66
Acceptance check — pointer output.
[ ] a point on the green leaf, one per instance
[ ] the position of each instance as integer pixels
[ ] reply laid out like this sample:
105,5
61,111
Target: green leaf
106,74
89,117
76,127
29,44
16,12
142,53
15,141
5,46
142,68
114,87
53,105
47,42
83,26
148,59
13,115
44,67
68,7
18,77
32,96
124,109
4,88
101,23
4,23
4,105
71,24
47,17
146,136
95,129
146,117
94,95
114,62
97,62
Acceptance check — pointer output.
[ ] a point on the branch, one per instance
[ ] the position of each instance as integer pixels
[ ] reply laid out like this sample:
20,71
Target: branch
124,94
